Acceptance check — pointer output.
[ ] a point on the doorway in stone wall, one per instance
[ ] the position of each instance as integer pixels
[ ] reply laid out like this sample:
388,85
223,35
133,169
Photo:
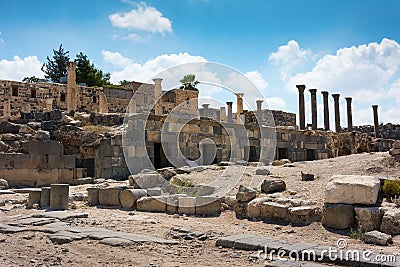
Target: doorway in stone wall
160,160
283,153
310,154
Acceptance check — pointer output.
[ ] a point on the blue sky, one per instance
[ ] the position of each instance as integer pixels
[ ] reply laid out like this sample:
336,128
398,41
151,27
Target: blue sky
349,47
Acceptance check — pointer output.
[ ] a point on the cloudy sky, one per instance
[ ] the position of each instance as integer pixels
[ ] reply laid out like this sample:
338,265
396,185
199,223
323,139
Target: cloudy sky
346,47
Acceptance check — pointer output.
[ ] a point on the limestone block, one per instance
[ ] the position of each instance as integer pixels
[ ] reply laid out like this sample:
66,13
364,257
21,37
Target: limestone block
231,201
302,215
146,180
352,189
254,207
377,238
65,175
263,170
368,218
152,204
187,205
128,197
47,177
93,196
208,206
59,196
274,211
338,216
45,197
245,194
33,198
109,196
391,222
69,161
273,185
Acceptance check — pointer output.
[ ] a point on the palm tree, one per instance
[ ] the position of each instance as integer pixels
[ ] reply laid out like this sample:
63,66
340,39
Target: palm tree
189,82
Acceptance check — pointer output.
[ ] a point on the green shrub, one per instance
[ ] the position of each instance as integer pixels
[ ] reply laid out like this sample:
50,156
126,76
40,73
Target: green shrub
391,188
357,233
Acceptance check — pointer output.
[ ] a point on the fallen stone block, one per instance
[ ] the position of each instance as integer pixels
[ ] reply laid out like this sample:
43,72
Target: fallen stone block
128,197
273,185
377,238
33,198
4,184
109,196
208,206
187,205
240,210
302,215
368,218
272,211
152,192
245,194
93,196
254,207
172,203
280,162
146,180
338,216
352,189
152,204
307,176
391,222
230,201
263,170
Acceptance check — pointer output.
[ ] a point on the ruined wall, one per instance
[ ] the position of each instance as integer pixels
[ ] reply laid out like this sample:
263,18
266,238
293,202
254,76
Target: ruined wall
32,97
272,117
182,98
42,163
387,131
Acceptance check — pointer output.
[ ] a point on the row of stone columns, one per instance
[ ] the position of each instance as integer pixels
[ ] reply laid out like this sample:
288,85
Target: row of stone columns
314,114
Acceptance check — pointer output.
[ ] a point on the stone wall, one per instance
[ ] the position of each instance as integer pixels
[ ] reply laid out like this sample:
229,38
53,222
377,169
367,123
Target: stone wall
42,163
272,117
387,131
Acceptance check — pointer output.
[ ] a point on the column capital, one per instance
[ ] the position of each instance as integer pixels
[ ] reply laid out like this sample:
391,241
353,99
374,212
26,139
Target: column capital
239,95
205,106
259,101
229,104
157,80
313,91
375,106
325,93
301,88
336,96
348,99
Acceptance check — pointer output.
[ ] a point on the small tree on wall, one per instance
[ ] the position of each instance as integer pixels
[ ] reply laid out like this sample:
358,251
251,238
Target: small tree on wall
189,82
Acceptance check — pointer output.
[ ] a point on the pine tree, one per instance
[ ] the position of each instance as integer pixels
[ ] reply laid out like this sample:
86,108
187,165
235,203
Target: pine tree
57,67
87,73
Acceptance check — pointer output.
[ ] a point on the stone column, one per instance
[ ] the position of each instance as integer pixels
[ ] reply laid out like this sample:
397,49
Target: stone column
34,197
229,120
222,114
59,196
7,109
157,96
349,115
72,89
49,104
313,108
302,118
239,103
205,110
103,105
376,121
325,95
259,111
337,112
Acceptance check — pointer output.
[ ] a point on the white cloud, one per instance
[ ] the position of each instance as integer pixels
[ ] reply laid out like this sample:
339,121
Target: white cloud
257,79
143,18
276,103
133,71
366,67
288,57
289,54
370,73
17,68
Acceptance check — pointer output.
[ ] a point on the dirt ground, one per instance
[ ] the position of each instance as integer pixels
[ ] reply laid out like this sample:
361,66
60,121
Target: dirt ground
35,249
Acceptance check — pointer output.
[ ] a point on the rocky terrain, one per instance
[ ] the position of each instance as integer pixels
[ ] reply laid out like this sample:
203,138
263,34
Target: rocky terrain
192,238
